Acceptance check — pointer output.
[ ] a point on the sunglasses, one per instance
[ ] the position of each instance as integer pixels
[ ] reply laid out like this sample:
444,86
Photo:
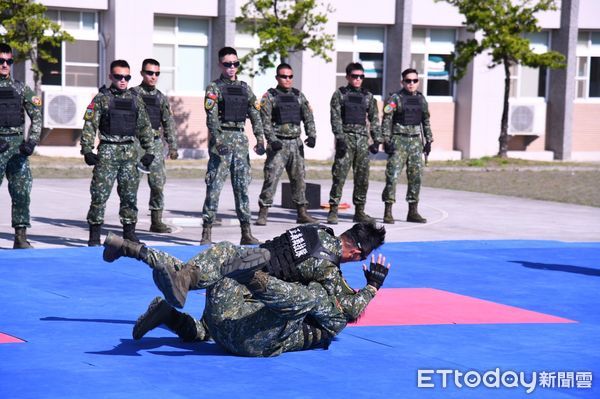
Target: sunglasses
285,76
231,64
409,81
152,73
119,77
8,61
355,76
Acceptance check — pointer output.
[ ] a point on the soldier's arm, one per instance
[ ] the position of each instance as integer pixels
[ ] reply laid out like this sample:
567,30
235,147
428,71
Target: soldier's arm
307,117
327,312
253,112
390,106
353,303
33,106
266,114
426,122
168,123
335,115
145,134
91,117
211,106
373,115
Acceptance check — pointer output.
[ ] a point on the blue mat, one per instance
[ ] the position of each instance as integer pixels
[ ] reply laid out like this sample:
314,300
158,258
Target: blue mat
76,312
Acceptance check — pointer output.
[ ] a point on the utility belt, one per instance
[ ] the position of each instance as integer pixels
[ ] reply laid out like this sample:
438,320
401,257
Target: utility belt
10,134
116,142
233,129
157,137
286,137
407,134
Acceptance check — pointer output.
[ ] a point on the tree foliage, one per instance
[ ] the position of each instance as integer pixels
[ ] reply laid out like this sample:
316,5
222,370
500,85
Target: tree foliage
284,27
30,34
504,24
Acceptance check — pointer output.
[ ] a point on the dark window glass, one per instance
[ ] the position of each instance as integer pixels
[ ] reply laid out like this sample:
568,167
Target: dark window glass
51,73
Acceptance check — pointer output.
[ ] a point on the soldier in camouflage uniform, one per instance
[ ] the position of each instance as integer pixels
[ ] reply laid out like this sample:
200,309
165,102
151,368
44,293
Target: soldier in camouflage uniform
227,103
119,116
282,109
405,121
159,111
16,98
350,108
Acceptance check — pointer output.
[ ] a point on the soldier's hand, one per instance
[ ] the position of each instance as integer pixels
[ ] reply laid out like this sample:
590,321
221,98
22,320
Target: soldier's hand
173,153
4,146
26,147
340,148
427,148
374,148
259,148
147,159
389,147
311,142
276,145
377,271
90,158
222,149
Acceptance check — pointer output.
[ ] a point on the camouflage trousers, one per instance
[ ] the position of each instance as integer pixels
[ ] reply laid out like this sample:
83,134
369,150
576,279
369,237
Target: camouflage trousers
409,153
157,176
290,157
117,162
18,174
357,156
236,163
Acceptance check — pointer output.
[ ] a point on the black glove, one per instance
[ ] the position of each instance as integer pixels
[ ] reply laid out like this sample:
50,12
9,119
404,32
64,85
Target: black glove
4,146
374,148
260,149
340,148
26,147
427,148
222,149
276,146
91,158
389,147
376,274
147,159
311,142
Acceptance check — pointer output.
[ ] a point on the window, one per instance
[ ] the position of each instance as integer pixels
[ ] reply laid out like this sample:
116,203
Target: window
181,47
588,65
260,83
364,44
78,61
526,81
431,51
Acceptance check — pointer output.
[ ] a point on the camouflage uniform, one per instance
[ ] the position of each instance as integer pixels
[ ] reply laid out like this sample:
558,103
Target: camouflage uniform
157,176
117,157
237,161
356,139
12,162
408,144
291,155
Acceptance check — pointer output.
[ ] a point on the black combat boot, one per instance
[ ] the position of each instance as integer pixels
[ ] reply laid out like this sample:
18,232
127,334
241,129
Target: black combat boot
206,234
360,216
387,215
157,225
304,217
332,216
160,312
262,216
247,237
413,214
243,264
129,232
94,240
115,247
21,239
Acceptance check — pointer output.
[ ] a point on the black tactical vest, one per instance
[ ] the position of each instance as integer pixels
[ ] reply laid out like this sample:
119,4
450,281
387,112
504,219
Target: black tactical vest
294,247
153,108
412,110
286,108
234,104
354,107
121,118
11,109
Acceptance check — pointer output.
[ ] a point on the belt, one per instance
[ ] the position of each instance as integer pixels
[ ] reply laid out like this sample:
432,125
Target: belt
116,142
157,137
286,138
233,129
11,134
407,134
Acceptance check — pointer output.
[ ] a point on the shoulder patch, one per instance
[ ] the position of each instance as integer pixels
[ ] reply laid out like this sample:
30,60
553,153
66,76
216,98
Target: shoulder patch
211,95
389,108
209,103
37,101
89,112
263,100
257,105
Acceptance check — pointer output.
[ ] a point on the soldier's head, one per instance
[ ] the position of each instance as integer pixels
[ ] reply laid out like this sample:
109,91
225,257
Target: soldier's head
228,62
359,241
119,74
355,74
410,80
150,72
285,75
6,59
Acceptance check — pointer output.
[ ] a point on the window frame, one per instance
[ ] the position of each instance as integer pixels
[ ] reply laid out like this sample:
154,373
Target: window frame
587,53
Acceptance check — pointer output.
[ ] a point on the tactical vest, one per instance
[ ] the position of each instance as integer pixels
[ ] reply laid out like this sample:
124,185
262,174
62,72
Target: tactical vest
11,109
152,102
294,247
121,118
412,110
354,107
234,104
286,108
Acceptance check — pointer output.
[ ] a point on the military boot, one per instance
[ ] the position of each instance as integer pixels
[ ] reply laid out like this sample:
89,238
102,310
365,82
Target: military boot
387,214
157,225
360,216
262,216
332,216
21,239
242,265
413,214
160,312
206,234
94,240
247,237
304,217
129,232
115,247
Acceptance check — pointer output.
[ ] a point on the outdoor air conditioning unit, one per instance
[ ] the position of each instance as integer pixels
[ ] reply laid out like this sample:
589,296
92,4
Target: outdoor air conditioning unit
527,119
65,110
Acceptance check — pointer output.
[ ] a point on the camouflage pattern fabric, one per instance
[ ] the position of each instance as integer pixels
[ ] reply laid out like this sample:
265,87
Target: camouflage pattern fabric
14,165
273,131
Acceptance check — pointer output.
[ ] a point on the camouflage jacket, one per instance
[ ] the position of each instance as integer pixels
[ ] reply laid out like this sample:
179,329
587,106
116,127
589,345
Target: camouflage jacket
32,105
394,105
99,106
286,130
166,116
340,129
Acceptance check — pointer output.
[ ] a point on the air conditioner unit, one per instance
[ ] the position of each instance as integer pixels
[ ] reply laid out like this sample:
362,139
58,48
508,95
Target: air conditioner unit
65,110
527,119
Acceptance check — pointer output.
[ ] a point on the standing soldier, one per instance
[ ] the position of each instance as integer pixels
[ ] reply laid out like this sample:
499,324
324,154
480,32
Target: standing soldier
119,116
282,109
159,111
350,108
405,119
228,102
15,98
